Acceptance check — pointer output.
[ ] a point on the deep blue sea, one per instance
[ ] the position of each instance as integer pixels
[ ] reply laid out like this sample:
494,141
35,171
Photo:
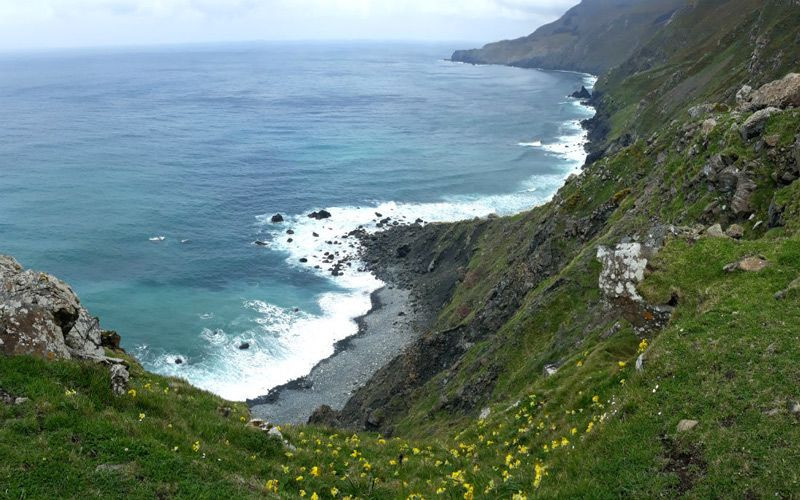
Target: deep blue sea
142,177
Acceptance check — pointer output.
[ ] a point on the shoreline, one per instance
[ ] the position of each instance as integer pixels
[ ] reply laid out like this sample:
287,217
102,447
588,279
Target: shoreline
333,380
383,332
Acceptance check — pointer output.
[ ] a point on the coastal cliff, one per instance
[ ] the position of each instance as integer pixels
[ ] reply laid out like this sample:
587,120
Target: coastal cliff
592,37
634,336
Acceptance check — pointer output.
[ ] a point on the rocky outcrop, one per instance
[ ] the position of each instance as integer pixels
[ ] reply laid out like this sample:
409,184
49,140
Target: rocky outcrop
781,94
623,269
583,93
41,316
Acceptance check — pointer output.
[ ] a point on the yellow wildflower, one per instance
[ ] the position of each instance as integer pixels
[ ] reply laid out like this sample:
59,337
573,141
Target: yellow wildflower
538,472
196,446
314,496
314,471
573,431
132,393
579,364
141,417
299,479
334,492
519,496
271,486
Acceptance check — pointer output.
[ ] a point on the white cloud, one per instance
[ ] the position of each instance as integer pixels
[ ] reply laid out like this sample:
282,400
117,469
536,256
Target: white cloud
37,23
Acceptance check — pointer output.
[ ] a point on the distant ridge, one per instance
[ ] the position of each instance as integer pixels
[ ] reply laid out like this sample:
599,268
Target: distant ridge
592,37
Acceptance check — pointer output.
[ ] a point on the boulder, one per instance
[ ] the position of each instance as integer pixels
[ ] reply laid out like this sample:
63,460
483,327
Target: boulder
748,264
774,215
744,193
687,425
728,179
708,126
324,416
781,93
699,110
623,269
119,379
715,231
744,96
277,218
735,231
794,285
754,125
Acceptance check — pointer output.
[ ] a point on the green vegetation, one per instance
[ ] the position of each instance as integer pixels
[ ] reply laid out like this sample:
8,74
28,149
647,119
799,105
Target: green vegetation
595,425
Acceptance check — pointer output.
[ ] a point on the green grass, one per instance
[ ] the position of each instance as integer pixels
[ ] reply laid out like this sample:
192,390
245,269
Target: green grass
597,428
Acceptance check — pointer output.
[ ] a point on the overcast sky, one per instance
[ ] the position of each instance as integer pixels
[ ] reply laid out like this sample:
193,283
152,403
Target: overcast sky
27,24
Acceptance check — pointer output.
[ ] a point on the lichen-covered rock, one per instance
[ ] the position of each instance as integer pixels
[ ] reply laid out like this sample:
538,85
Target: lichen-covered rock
119,379
623,269
781,93
41,316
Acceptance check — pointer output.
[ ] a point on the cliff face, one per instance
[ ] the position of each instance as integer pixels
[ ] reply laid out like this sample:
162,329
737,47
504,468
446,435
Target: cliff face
592,37
634,337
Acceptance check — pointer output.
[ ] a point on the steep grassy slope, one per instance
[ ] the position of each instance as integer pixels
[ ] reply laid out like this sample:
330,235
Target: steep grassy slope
592,37
705,55
527,382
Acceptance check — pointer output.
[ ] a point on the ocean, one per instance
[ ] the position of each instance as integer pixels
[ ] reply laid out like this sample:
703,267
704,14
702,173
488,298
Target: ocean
144,176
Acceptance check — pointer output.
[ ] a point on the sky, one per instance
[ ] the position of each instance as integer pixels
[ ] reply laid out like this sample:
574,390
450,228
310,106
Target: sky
40,24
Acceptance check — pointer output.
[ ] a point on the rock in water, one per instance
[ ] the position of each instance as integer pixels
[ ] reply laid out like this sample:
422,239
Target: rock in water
277,218
244,346
322,214
583,93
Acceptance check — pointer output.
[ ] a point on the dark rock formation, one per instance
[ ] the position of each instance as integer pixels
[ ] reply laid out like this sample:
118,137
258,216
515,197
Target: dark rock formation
322,214
583,93
277,218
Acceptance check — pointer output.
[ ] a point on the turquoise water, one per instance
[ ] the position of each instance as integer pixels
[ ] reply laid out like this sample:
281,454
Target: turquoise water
103,153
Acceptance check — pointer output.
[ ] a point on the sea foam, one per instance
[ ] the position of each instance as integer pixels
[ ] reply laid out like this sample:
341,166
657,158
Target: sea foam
286,343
